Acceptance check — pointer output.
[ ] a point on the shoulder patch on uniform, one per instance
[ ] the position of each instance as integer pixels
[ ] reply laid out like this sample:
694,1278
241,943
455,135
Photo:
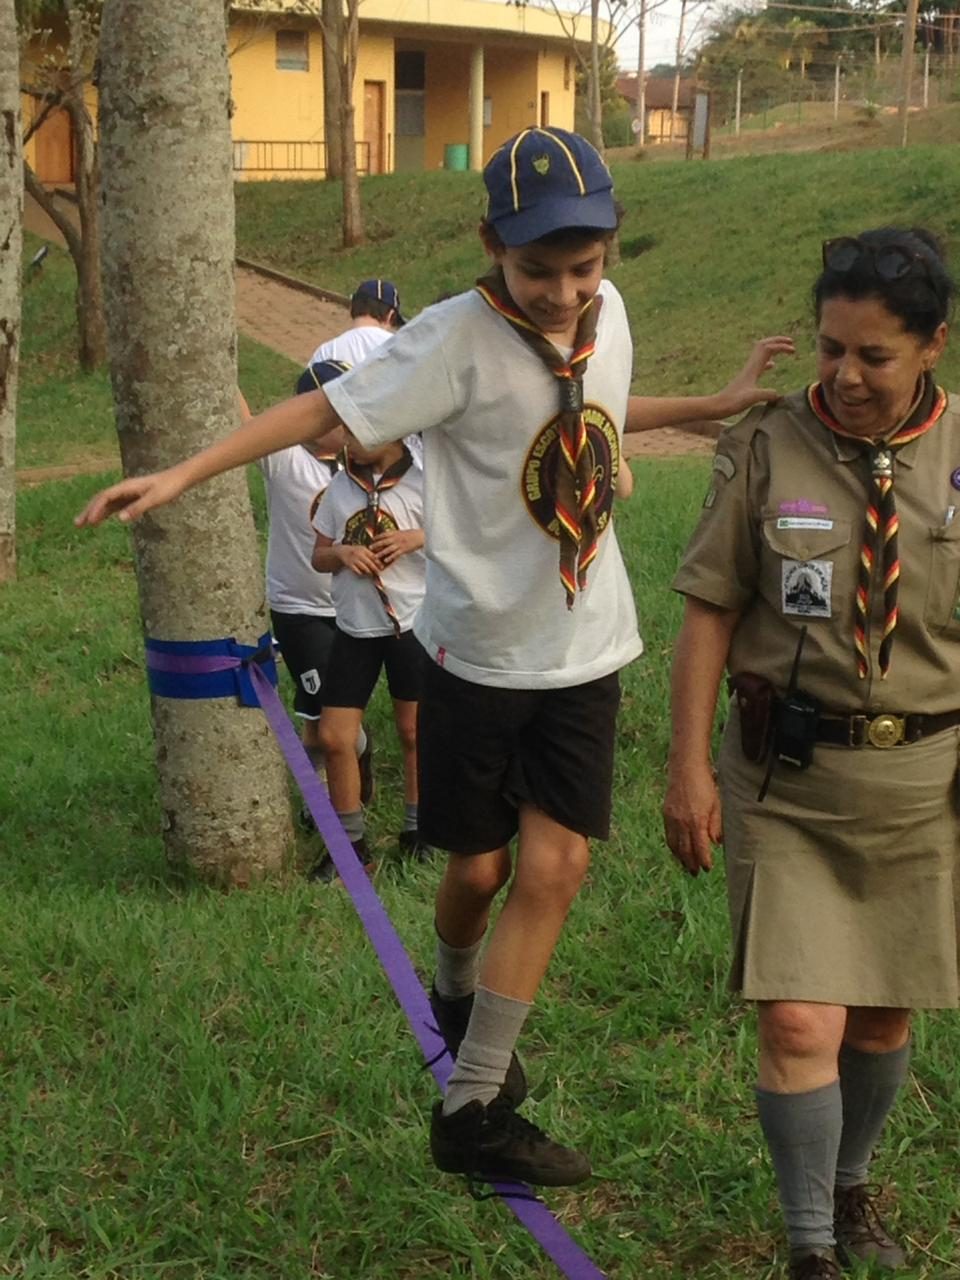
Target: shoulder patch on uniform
725,465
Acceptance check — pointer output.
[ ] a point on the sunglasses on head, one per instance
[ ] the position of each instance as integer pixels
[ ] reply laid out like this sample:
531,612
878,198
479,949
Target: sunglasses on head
890,261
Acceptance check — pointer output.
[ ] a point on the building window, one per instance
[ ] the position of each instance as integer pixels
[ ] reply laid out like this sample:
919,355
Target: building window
410,69
293,51
487,112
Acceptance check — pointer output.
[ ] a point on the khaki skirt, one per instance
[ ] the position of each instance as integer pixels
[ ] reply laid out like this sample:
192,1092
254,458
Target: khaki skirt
844,884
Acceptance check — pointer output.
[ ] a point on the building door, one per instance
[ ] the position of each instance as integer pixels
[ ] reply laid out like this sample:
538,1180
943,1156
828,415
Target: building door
374,120
54,149
544,110
410,104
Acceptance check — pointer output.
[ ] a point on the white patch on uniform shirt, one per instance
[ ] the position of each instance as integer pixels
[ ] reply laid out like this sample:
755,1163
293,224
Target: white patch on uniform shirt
311,680
803,522
805,588
726,466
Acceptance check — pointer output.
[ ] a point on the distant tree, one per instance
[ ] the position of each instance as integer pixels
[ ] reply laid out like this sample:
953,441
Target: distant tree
168,284
11,212
60,39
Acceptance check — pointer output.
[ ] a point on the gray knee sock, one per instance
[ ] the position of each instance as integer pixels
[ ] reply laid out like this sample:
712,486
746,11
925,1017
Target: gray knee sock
803,1133
361,740
352,824
410,816
484,1056
869,1083
458,969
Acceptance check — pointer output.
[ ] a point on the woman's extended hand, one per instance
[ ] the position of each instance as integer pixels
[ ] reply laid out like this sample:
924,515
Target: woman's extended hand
743,391
132,498
691,816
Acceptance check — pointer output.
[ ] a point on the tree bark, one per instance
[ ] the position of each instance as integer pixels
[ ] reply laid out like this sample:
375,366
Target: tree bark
676,76
352,208
11,253
596,103
168,287
331,22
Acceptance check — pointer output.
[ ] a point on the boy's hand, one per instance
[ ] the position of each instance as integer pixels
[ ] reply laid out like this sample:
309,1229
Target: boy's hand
132,498
359,560
389,547
742,392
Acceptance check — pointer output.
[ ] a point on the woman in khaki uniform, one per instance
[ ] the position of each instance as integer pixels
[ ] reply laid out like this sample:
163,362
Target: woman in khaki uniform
844,878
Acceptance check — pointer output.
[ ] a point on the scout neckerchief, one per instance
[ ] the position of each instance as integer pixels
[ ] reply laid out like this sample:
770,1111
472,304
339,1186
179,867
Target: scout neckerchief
883,522
574,485
363,477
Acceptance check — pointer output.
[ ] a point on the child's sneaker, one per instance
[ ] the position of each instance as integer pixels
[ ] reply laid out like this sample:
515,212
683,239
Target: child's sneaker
494,1143
324,871
411,846
452,1017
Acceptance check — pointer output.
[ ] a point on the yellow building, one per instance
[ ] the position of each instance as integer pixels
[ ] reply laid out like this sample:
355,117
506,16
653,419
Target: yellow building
438,81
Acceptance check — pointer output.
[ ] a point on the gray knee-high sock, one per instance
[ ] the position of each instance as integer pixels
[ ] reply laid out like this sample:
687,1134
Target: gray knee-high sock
803,1133
458,969
869,1083
481,1066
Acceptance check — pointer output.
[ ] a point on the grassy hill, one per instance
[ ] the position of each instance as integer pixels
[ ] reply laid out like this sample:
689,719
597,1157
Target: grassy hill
713,254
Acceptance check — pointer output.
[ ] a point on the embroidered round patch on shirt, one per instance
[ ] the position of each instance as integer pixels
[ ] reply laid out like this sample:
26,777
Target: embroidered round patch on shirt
540,468
353,530
955,478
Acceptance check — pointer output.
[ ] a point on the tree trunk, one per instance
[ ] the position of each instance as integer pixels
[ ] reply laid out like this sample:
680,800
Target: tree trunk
168,287
676,77
352,208
11,253
91,325
641,107
331,22
596,106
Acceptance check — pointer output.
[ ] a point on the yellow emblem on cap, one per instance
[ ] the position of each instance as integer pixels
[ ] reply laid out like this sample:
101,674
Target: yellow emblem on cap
542,165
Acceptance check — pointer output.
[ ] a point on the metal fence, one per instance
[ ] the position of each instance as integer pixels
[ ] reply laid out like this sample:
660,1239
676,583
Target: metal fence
304,158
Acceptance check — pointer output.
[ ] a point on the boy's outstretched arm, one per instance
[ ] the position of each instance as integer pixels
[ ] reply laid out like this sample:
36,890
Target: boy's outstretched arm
293,421
645,413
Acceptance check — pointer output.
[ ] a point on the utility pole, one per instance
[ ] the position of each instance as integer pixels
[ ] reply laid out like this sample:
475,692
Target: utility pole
906,67
836,89
926,77
641,108
676,77
736,127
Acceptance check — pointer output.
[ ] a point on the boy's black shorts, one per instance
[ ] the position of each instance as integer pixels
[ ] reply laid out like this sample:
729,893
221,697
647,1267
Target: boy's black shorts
305,640
483,751
354,668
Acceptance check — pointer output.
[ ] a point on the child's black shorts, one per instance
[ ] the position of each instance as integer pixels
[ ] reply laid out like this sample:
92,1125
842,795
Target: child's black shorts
483,751
354,668
305,640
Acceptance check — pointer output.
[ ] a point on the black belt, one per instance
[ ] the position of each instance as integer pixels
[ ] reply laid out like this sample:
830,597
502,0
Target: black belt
884,729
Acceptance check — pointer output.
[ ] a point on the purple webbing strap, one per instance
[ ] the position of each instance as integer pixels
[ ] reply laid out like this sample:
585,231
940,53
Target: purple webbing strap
533,1213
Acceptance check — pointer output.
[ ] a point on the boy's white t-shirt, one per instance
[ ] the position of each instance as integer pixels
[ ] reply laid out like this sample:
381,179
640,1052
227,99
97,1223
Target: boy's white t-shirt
295,482
495,612
353,345
357,602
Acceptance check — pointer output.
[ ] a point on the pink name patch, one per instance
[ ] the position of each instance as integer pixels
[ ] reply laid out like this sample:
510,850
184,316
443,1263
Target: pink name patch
802,507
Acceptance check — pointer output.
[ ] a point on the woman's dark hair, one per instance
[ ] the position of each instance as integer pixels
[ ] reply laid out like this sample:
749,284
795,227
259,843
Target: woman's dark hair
921,298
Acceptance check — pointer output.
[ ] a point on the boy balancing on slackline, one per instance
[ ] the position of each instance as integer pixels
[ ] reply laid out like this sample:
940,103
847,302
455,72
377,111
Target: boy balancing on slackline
521,389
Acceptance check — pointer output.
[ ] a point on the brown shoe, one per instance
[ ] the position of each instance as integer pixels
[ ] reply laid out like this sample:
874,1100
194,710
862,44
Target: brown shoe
819,1264
860,1231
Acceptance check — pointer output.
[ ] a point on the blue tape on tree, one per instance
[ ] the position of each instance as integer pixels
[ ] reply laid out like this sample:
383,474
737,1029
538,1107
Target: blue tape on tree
194,669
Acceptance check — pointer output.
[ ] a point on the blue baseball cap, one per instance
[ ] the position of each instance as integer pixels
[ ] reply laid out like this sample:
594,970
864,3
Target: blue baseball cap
315,375
383,291
543,180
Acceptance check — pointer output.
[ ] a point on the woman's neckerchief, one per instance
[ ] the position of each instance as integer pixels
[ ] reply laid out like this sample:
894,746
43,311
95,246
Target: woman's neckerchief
363,477
574,484
882,527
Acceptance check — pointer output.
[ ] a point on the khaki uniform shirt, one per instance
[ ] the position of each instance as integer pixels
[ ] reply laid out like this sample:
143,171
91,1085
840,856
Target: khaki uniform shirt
779,540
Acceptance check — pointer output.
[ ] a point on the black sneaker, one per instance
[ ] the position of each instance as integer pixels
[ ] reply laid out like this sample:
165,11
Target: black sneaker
495,1143
860,1232
452,1017
411,846
365,761
324,871
818,1264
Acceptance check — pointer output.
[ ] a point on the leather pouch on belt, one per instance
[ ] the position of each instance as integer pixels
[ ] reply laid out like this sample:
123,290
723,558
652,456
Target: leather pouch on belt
755,701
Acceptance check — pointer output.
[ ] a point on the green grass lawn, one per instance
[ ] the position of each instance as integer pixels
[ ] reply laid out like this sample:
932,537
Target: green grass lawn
714,255
220,1087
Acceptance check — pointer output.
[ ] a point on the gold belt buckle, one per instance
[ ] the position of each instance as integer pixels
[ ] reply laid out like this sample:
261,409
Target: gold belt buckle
886,731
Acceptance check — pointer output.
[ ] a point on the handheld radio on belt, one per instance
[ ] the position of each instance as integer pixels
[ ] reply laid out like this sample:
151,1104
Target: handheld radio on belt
795,718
